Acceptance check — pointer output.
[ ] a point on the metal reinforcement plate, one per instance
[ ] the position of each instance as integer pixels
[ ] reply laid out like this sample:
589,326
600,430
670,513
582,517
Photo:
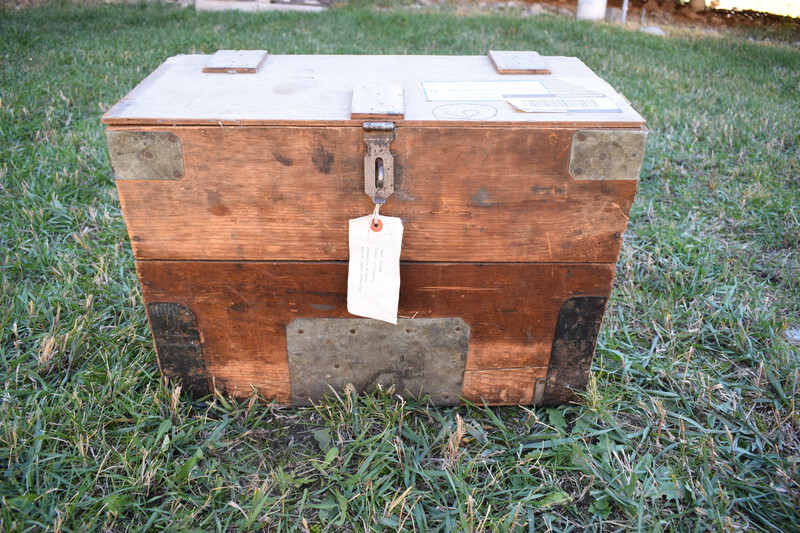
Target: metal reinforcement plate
178,345
418,356
607,154
145,155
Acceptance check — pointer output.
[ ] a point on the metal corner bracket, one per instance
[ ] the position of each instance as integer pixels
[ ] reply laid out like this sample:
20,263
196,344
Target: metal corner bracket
607,154
179,346
145,155
578,325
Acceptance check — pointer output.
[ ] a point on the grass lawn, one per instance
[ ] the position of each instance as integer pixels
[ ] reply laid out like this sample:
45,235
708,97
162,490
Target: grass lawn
691,420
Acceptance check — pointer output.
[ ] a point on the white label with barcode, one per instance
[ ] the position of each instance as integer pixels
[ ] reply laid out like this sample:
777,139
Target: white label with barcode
472,91
565,104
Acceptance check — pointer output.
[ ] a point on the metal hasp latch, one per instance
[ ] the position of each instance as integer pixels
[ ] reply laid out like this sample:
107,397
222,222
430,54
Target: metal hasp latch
378,163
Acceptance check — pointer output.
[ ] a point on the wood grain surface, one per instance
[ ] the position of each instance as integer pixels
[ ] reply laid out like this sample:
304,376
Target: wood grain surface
469,194
235,61
509,62
507,386
317,90
379,101
242,310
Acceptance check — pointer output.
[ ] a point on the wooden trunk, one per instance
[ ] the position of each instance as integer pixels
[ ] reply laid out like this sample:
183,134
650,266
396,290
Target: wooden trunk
237,185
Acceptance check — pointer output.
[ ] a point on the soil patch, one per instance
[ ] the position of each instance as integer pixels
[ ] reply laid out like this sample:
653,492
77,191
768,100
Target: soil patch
668,12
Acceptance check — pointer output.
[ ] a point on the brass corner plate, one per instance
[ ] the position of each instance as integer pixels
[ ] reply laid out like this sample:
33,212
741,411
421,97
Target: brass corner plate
145,155
419,357
607,154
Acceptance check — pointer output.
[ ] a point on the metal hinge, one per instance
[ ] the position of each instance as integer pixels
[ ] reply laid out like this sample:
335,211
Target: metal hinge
378,163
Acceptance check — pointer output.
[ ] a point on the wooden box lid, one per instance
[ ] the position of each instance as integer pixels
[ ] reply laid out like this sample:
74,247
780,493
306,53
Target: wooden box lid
317,90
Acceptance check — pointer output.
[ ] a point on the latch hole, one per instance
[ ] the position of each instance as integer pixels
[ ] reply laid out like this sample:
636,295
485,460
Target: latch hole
379,172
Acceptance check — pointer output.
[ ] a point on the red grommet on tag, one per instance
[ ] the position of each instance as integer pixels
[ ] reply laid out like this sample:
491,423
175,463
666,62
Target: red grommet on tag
376,225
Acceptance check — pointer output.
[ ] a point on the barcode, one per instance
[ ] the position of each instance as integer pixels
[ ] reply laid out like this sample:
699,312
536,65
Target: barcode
564,104
559,103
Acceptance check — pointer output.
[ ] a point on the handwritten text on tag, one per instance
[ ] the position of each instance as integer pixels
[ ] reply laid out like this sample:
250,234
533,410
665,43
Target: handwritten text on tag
373,278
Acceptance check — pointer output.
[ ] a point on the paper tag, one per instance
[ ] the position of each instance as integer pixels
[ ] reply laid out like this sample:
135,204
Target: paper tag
448,91
373,277
564,104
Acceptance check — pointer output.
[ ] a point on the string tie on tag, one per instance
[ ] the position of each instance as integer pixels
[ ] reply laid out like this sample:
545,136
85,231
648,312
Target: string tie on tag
375,224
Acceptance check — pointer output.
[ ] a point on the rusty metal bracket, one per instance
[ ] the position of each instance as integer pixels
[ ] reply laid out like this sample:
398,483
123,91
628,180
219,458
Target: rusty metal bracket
378,162
145,155
178,346
420,356
573,348
607,154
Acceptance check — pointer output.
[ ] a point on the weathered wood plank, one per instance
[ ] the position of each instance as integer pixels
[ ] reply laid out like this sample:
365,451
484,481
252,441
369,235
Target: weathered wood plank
317,90
511,62
236,61
507,386
243,309
475,194
377,102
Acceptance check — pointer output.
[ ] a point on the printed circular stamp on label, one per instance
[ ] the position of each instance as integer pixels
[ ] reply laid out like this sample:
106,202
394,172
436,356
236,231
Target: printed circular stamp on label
464,112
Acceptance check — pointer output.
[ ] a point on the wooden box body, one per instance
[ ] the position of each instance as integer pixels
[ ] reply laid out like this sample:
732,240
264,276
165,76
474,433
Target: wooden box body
237,189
